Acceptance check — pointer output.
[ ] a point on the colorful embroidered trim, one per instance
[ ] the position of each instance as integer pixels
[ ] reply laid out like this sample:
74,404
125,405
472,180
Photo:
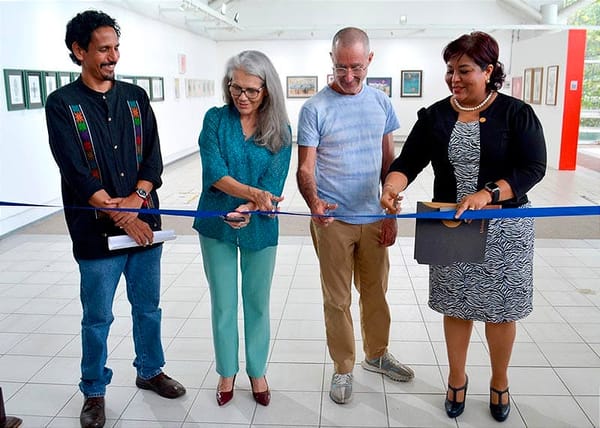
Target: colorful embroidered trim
85,139
136,118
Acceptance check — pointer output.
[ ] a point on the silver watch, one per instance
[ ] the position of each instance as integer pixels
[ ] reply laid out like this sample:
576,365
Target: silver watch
141,193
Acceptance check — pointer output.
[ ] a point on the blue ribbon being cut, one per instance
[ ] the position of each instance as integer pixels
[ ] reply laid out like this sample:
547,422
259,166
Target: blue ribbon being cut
570,211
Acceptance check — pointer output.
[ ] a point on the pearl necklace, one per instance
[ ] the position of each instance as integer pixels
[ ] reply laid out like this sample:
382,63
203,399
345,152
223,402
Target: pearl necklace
477,107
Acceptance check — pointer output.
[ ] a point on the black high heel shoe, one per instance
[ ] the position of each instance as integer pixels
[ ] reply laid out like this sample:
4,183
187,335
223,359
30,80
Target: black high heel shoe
499,411
454,408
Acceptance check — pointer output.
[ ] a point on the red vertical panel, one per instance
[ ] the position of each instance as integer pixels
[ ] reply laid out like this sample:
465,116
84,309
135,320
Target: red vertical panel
572,102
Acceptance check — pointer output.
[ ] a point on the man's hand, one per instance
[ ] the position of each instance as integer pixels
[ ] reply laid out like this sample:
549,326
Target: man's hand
123,218
320,208
139,231
389,231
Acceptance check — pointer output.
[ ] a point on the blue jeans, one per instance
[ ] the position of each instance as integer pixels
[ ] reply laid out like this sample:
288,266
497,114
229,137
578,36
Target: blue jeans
99,279
221,267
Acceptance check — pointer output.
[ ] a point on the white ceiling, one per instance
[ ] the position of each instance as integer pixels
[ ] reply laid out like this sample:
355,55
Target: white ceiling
320,19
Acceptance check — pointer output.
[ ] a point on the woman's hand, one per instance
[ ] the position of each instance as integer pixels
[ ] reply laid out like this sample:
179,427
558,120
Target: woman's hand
390,199
474,201
264,200
240,217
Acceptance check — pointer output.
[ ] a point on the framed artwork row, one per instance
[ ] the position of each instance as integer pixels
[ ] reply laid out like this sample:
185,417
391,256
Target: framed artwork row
410,84
533,88
28,89
153,85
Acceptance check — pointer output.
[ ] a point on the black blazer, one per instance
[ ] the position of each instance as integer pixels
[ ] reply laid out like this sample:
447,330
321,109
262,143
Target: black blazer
512,148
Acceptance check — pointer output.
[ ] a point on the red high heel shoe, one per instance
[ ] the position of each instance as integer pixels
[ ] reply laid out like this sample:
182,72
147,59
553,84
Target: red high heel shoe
263,397
224,397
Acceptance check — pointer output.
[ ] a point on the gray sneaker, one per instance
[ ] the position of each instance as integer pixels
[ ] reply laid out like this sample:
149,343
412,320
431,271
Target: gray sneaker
389,366
341,387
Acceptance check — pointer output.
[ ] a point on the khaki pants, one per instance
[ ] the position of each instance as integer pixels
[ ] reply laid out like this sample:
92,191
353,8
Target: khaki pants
344,249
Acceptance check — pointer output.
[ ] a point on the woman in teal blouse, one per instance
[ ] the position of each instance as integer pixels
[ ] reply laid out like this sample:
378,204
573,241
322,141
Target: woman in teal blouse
245,149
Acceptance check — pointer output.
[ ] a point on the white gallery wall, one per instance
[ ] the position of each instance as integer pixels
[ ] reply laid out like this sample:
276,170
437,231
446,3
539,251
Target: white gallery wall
150,48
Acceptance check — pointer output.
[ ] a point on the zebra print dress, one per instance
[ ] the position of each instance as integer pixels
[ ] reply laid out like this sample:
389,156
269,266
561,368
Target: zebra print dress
501,288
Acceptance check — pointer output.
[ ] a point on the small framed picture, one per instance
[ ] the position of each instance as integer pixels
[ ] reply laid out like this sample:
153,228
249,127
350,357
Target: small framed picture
64,78
301,86
144,83
536,89
33,89
50,83
410,83
15,89
517,87
157,89
384,84
527,84
551,84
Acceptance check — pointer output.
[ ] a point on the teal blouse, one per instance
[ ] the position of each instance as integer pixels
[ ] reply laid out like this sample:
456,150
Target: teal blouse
225,152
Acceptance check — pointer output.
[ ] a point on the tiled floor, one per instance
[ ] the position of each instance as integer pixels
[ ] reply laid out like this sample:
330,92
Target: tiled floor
555,370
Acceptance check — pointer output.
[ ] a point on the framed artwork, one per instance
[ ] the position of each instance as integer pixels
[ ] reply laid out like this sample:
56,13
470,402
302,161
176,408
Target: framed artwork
33,89
177,90
128,79
63,78
527,84
301,86
144,83
182,63
15,89
50,83
536,88
382,83
410,83
551,84
517,87
330,79
157,89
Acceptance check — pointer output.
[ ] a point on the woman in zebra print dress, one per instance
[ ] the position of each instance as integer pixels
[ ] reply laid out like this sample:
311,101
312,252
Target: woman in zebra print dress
485,148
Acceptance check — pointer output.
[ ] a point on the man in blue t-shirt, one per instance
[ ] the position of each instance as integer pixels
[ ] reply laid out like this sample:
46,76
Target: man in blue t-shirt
345,147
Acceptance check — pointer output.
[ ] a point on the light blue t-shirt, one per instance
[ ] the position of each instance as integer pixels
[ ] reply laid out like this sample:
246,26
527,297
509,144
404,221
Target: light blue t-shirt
347,131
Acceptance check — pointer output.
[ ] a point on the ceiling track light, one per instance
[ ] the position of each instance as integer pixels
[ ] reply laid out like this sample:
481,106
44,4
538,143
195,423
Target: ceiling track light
207,11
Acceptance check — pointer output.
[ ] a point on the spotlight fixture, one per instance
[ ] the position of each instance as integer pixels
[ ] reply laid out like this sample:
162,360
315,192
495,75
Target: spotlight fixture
236,17
224,9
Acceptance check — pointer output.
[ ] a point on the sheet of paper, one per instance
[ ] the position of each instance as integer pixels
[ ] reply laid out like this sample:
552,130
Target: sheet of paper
124,241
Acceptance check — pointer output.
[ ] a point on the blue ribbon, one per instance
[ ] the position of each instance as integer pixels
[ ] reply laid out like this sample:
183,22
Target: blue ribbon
570,211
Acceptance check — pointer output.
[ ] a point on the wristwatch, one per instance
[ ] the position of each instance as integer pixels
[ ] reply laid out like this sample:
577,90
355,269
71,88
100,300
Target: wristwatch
141,193
494,190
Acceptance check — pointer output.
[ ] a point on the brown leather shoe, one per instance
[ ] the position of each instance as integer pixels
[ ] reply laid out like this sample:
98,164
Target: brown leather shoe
162,384
92,413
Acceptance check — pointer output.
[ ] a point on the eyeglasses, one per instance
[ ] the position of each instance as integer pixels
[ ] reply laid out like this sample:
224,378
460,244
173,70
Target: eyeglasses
356,70
251,93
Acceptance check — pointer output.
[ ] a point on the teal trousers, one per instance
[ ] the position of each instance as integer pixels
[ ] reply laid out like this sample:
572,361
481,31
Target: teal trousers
221,267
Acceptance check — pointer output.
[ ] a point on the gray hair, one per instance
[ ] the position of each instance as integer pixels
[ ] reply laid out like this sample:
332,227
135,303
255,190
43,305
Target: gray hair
350,36
272,129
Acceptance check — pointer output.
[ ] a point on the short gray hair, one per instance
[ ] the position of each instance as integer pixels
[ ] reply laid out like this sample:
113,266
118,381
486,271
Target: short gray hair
272,129
350,36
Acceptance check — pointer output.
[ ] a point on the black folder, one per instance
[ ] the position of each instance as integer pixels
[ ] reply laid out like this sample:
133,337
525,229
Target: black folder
443,242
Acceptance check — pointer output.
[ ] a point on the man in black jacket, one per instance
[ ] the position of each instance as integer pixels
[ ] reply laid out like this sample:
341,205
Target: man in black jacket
104,138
